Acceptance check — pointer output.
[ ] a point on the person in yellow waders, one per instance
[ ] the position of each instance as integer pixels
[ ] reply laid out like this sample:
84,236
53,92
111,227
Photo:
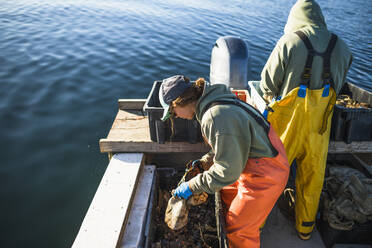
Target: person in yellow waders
304,93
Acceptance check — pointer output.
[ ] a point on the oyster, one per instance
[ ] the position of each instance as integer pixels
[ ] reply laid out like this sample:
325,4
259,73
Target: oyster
348,102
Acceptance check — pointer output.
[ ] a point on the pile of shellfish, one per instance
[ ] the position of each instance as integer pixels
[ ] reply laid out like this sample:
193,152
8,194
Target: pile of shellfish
200,229
348,102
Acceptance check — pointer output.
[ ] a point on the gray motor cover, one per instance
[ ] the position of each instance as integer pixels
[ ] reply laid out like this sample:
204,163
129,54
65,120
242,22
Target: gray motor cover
229,63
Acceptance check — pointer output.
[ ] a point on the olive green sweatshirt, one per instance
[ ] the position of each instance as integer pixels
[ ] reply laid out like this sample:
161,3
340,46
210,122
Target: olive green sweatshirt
284,68
234,136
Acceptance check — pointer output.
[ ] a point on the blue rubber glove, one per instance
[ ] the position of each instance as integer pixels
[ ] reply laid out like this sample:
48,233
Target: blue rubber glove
183,191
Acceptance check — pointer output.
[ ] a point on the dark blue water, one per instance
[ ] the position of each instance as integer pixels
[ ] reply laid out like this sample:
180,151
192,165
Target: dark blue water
65,63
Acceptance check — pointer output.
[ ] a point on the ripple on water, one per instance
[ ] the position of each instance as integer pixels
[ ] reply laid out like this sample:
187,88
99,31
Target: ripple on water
64,64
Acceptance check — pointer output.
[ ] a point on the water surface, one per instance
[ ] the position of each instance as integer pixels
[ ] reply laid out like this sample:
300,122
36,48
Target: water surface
64,65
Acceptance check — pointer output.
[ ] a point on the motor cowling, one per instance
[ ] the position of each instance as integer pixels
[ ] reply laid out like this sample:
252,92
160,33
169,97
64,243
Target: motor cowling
230,63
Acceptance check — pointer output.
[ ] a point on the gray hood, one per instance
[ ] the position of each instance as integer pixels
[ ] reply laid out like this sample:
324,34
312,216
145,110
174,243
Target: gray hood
212,93
305,13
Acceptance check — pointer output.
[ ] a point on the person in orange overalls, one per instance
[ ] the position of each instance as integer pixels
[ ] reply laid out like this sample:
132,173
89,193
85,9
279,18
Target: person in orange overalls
248,161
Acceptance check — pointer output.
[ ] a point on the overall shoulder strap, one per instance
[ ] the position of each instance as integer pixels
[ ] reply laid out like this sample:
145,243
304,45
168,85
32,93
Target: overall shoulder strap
327,57
306,74
326,76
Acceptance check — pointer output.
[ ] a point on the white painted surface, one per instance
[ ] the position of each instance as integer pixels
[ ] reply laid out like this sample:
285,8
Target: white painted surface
103,223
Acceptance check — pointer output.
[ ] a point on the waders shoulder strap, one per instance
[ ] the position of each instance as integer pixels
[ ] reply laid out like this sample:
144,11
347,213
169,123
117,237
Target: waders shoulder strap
306,74
327,57
311,53
326,75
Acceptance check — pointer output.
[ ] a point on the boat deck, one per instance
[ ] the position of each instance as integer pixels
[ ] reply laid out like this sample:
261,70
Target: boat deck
107,218
280,232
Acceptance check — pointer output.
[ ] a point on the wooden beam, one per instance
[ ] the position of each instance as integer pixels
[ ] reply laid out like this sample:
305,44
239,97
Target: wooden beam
119,145
110,207
130,133
131,104
110,145
356,147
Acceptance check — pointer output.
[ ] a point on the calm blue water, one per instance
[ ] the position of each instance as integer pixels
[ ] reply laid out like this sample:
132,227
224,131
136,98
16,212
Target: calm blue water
65,63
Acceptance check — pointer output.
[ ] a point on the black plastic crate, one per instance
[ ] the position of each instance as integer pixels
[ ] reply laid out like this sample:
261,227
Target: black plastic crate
361,233
350,124
183,130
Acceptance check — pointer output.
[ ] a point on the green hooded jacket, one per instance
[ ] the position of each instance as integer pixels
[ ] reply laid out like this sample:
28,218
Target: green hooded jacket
234,136
284,68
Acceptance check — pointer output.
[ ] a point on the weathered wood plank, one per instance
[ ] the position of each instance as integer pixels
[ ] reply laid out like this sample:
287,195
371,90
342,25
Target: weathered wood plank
130,115
122,143
134,230
131,104
130,130
110,207
134,132
130,133
356,147
130,126
110,145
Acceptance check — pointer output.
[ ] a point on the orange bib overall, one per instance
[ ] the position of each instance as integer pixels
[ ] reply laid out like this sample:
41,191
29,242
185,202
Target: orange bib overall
250,199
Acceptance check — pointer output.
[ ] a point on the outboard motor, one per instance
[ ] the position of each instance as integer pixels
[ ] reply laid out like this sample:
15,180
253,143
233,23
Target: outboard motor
229,63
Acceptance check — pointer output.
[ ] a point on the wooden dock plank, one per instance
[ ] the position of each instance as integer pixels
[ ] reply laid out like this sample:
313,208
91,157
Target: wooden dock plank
110,207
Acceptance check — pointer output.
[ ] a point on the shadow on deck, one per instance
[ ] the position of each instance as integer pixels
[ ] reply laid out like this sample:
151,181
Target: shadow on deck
280,232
